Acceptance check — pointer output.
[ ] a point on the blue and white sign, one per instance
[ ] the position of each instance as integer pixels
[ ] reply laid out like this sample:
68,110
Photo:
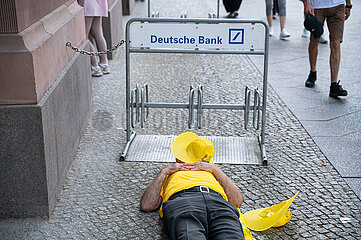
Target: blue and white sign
236,36
178,35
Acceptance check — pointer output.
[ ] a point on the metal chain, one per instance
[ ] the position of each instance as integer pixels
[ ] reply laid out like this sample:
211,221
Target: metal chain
81,51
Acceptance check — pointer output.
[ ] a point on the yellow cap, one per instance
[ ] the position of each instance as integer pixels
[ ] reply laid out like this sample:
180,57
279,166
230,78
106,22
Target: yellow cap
273,216
189,147
284,219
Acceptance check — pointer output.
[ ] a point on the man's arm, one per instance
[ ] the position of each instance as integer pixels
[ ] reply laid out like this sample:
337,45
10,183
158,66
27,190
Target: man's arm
307,7
151,198
347,10
232,191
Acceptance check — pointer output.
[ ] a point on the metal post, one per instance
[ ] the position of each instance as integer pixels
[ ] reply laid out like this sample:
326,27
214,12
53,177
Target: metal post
247,99
142,110
264,97
132,108
256,109
127,94
148,8
218,9
191,102
199,107
146,100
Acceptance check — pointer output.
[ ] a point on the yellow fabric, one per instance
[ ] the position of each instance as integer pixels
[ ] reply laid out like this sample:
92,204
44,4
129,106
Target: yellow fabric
284,219
246,232
264,218
189,147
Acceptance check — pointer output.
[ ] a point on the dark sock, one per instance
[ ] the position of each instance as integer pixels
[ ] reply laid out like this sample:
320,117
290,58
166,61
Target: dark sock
333,84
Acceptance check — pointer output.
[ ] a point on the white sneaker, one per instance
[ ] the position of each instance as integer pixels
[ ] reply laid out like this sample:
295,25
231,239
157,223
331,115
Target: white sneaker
284,35
105,68
305,33
96,71
270,31
323,39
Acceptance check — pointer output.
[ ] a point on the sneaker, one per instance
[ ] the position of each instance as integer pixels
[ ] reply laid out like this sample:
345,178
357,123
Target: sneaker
284,35
312,77
270,31
105,68
232,14
96,71
337,90
323,39
305,33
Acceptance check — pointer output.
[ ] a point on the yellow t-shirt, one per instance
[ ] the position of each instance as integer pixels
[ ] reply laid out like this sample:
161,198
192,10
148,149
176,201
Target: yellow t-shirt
186,179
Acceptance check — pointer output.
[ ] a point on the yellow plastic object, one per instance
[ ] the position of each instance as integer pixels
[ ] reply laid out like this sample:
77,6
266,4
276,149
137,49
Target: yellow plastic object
265,218
284,219
189,147
246,232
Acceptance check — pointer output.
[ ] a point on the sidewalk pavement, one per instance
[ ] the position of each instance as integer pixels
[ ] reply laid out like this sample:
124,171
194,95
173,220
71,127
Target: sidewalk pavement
100,199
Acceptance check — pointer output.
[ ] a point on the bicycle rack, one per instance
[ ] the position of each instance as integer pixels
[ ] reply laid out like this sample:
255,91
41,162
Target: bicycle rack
137,99
184,15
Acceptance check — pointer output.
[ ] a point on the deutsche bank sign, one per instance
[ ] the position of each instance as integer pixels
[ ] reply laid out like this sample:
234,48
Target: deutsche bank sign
178,35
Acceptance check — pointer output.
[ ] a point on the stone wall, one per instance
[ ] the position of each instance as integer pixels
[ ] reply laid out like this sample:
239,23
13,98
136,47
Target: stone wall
45,102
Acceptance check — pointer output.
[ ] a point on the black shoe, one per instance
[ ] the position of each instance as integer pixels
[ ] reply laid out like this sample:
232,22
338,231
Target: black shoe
337,90
312,77
232,14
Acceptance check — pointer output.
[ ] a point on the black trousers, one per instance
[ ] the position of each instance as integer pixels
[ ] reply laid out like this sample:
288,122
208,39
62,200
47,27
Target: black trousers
232,5
200,215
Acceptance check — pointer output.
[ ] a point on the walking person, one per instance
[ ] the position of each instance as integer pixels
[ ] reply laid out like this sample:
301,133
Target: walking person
282,13
94,10
335,12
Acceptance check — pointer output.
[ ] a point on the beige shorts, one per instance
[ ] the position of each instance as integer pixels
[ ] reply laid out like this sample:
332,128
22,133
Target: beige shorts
335,18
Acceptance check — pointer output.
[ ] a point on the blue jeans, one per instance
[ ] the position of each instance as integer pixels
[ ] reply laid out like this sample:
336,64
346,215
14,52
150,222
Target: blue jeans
199,215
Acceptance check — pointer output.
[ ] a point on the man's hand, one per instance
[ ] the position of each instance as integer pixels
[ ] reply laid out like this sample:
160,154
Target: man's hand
307,8
347,13
202,166
175,167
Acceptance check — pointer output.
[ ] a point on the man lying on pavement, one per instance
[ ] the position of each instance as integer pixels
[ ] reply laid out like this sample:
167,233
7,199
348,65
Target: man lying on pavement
196,198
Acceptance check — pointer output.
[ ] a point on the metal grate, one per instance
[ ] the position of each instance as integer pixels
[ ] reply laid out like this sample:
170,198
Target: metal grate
156,148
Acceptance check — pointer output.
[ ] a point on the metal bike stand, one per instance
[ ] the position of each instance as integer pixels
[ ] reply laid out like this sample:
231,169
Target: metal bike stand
137,101
184,15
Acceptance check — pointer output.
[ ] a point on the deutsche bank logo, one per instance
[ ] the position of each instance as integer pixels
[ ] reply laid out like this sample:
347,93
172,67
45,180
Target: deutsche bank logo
236,36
